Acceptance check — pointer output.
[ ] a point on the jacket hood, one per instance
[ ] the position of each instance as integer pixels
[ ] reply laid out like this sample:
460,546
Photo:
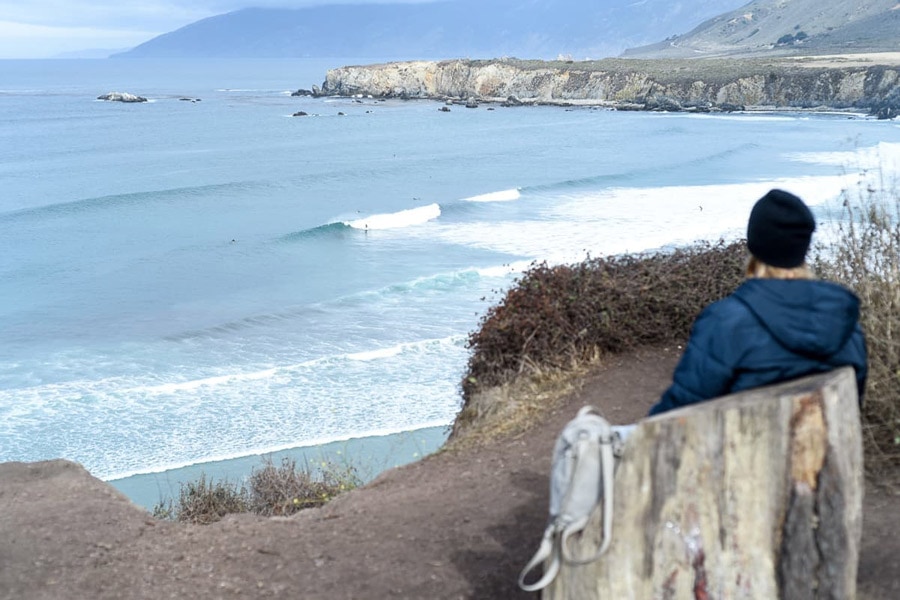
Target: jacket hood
809,317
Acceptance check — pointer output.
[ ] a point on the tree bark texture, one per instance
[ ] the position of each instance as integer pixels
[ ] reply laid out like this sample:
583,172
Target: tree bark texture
754,495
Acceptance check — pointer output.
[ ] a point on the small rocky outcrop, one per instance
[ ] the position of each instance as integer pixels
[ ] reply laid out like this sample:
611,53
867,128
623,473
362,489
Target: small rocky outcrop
471,103
315,92
300,113
121,97
889,107
662,103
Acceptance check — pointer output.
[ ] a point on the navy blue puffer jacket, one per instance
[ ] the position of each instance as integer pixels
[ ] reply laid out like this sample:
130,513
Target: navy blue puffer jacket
768,331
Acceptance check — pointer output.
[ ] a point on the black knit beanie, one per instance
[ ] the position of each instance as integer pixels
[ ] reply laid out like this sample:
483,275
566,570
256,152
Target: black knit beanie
780,229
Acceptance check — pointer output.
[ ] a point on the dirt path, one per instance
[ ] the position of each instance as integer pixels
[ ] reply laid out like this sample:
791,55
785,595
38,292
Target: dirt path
459,524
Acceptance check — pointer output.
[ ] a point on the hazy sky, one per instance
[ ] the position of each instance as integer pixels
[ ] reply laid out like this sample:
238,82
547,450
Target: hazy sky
46,28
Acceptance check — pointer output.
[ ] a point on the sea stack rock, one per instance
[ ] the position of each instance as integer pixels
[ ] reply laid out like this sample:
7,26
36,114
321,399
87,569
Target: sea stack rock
121,97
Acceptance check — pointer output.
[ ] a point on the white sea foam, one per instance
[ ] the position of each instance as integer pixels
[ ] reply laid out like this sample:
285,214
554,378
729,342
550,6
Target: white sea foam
235,379
404,218
506,270
739,117
884,157
621,220
376,354
171,388
116,430
502,196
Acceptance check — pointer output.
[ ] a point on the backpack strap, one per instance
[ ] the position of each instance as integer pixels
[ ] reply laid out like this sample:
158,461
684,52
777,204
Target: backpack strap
547,549
607,472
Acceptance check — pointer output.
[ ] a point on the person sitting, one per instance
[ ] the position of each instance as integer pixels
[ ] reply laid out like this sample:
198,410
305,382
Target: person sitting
780,324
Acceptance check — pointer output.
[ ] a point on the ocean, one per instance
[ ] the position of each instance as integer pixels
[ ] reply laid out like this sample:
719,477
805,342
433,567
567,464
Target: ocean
204,277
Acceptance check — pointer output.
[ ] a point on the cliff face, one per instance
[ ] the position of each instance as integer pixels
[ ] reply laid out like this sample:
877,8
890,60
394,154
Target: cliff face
637,84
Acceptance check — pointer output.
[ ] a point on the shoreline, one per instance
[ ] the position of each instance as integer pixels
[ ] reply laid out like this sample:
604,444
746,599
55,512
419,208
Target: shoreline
369,456
620,106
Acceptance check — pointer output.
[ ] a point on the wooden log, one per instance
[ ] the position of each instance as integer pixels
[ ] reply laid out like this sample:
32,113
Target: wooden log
756,495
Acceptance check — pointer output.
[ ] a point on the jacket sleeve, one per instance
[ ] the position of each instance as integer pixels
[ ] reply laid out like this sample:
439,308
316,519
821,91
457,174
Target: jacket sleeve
706,369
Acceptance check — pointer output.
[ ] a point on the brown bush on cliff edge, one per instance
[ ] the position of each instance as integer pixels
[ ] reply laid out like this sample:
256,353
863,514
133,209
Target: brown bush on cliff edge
556,316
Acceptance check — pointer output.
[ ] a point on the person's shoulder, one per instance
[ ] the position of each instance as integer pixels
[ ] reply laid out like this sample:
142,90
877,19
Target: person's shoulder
835,289
730,314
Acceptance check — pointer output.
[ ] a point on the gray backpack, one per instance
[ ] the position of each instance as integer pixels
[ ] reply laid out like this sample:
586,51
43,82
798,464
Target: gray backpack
581,477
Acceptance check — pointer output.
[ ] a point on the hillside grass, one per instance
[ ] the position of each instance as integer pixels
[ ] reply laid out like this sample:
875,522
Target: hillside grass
677,71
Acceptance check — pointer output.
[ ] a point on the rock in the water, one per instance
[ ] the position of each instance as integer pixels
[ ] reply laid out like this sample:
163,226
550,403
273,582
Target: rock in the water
663,103
471,103
121,97
444,109
300,113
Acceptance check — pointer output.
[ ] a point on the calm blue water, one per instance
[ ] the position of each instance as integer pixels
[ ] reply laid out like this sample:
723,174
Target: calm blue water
184,281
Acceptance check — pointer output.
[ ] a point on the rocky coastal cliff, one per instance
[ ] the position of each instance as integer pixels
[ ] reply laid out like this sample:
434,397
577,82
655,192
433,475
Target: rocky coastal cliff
698,85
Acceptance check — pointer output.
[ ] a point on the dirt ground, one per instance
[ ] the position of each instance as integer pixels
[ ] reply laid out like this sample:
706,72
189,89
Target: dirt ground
458,524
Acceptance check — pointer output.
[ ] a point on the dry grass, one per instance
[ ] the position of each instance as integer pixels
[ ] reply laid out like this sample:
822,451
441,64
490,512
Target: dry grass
272,490
513,408
204,502
865,256
285,489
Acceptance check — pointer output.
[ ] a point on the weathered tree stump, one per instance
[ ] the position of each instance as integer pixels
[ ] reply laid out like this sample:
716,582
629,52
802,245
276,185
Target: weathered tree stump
754,496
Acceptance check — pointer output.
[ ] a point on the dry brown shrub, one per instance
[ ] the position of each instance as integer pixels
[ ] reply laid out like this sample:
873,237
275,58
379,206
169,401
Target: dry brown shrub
273,491
864,255
557,316
285,489
204,502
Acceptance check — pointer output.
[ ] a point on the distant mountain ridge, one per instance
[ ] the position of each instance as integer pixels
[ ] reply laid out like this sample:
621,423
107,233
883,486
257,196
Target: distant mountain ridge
443,29
787,27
